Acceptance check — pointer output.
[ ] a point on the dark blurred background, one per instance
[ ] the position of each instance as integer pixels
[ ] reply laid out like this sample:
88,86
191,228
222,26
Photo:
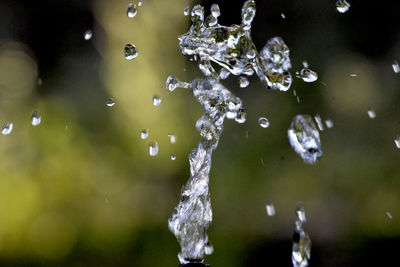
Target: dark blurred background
81,190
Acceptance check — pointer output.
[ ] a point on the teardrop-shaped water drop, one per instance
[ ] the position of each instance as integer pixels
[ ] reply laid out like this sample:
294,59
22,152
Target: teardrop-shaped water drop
156,100
243,82
263,122
144,133
131,10
7,128
88,35
342,6
110,102
153,149
171,83
36,118
130,51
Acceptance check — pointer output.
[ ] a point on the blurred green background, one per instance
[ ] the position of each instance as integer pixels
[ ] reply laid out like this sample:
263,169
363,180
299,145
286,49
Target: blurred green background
81,190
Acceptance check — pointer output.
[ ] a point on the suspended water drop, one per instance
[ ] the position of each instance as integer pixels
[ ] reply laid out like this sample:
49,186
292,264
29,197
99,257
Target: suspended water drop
342,6
172,138
283,15
329,123
371,113
263,122
304,138
389,215
130,51
172,157
318,120
153,149
144,133
396,67
270,208
243,82
215,11
110,102
36,118
156,100
186,11
88,35
140,3
308,75
7,128
131,10
397,141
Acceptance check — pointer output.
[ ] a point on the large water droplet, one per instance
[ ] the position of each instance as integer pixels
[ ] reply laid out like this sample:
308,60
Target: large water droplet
270,208
371,113
130,51
342,6
304,138
172,138
283,15
144,134
7,128
110,102
397,141
243,82
88,35
308,75
396,67
156,100
263,122
131,10
36,118
153,149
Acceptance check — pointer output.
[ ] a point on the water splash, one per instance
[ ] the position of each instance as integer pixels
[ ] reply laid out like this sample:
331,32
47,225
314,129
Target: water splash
130,52
131,10
243,82
301,249
36,119
7,128
342,6
329,123
304,138
318,120
186,11
140,3
389,215
263,122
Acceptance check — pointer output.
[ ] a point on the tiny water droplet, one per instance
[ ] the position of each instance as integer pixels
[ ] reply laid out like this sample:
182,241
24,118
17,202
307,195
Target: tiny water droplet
329,123
172,138
88,35
397,141
131,10
36,118
130,51
371,113
283,15
243,82
215,11
172,157
110,102
300,212
153,149
144,134
318,120
396,67
156,100
270,208
308,75
263,122
342,6
140,3
353,75
305,64
186,11
389,215
7,128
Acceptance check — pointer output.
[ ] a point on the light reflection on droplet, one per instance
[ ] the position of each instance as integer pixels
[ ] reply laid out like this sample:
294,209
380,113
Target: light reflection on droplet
110,102
371,113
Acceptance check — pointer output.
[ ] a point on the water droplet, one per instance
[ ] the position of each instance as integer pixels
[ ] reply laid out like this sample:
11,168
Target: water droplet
396,67
153,149
270,208
144,134
130,51
110,102
283,15
318,120
371,113
397,141
243,82
389,215
301,249
215,11
171,83
36,118
172,157
224,73
172,138
7,128
353,75
140,3
263,122
329,123
88,35
308,75
241,116
304,138
342,6
305,64
131,10
209,249
156,100
186,11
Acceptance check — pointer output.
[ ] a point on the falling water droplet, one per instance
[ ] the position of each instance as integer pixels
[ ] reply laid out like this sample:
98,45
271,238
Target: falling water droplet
283,15
397,141
144,133
140,3
342,6
156,100
172,138
36,118
172,157
110,102
389,215
263,122
396,67
318,120
270,208
130,51
186,11
215,11
308,75
371,113
131,10
153,149
7,128
304,138
88,35
243,82
329,123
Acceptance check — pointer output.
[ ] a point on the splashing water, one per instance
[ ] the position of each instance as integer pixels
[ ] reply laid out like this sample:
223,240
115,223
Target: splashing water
36,118
342,6
88,35
270,208
130,52
389,215
144,133
301,249
131,10
110,102
140,3
307,75
153,149
304,138
7,128
263,122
